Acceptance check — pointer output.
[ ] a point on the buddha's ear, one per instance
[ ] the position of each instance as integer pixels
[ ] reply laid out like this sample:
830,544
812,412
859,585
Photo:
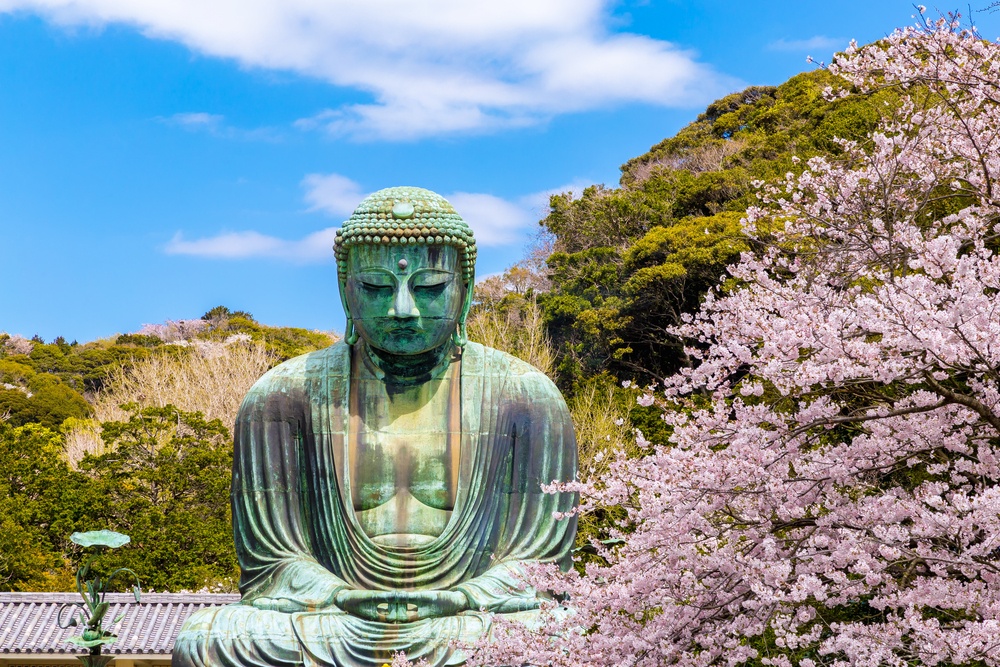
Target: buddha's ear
461,336
350,333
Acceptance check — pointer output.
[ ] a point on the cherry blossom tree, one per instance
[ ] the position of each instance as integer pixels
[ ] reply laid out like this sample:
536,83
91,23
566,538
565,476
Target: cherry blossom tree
829,495
16,344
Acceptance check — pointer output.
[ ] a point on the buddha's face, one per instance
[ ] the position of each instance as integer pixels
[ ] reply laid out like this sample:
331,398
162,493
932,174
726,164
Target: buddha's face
404,299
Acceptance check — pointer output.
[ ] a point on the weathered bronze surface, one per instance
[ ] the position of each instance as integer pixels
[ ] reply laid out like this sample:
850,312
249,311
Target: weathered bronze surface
386,490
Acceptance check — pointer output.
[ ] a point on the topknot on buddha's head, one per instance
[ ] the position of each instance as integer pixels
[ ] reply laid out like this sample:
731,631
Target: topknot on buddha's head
406,215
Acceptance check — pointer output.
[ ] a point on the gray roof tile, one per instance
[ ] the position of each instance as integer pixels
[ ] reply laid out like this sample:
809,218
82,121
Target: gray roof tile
28,621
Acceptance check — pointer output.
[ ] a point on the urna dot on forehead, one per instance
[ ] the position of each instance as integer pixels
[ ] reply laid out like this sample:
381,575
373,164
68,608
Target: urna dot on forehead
406,216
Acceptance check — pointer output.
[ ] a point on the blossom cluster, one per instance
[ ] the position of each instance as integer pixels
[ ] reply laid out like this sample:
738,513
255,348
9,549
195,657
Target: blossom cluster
211,349
830,492
17,344
172,331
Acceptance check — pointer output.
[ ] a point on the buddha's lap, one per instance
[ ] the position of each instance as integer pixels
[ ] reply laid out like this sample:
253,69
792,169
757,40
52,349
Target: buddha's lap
249,636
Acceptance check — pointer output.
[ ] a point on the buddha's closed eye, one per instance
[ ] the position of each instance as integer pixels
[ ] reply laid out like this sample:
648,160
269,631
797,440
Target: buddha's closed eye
430,290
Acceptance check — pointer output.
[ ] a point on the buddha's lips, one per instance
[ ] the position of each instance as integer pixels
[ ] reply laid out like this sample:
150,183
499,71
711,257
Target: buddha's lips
406,328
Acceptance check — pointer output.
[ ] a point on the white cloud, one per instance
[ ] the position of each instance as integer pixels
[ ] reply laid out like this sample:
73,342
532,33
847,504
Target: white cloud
818,43
494,220
332,193
430,67
316,247
538,202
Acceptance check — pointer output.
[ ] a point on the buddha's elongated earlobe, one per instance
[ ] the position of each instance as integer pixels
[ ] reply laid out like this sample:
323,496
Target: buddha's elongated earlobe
461,335
350,333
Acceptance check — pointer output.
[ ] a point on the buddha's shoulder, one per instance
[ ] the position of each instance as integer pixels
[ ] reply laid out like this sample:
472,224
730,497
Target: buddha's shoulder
299,372
512,370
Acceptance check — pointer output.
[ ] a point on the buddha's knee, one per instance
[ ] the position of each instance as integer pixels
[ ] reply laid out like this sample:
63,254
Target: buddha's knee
236,634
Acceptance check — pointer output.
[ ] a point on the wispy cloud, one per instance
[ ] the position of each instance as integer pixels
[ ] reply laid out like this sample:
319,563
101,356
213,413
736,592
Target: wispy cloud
195,121
431,67
538,202
215,124
817,43
315,247
494,220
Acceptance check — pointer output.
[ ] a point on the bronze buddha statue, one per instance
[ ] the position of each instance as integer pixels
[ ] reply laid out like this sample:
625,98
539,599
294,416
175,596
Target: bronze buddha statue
386,490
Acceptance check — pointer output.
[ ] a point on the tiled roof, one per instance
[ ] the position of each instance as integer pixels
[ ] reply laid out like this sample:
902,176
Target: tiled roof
28,621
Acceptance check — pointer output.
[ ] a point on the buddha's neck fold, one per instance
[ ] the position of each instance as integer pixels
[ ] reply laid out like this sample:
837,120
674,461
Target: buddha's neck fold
410,369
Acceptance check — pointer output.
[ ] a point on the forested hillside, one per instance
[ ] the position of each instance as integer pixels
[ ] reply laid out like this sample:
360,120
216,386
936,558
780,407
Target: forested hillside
130,433
628,262
615,268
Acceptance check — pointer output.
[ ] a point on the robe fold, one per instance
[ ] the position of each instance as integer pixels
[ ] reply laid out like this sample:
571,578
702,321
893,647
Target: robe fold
299,541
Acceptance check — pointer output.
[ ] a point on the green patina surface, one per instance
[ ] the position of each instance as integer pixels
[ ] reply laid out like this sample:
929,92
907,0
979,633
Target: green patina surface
386,490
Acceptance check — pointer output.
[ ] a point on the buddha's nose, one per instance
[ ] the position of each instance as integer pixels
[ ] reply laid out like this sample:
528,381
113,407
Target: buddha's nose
403,305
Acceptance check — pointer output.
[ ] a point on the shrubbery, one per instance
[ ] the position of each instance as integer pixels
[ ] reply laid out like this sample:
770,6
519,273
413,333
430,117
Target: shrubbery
127,458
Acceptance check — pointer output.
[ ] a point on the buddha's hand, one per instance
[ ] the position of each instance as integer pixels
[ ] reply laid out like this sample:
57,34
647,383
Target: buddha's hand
302,586
293,604
401,606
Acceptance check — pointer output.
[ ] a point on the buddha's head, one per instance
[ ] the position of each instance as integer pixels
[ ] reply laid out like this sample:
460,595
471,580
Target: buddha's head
406,266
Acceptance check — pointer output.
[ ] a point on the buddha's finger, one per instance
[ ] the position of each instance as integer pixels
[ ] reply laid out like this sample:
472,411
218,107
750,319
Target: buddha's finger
439,603
364,606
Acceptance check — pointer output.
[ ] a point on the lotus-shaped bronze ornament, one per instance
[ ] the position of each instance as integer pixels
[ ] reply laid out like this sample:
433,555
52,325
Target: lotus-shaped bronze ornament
90,613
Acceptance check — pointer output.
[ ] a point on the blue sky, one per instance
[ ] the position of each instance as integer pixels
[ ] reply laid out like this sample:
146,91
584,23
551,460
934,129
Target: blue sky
160,157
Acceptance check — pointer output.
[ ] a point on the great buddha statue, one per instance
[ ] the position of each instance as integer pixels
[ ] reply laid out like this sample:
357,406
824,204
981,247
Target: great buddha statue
387,490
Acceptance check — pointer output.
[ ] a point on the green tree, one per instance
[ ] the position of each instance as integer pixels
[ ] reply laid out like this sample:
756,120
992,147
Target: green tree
45,401
220,313
166,476
42,501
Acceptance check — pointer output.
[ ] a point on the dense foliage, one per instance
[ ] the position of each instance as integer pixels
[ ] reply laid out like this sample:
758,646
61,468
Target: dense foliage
630,261
164,480
73,459
42,501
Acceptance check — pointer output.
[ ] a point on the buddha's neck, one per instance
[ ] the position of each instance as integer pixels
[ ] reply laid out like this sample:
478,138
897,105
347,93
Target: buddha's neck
411,369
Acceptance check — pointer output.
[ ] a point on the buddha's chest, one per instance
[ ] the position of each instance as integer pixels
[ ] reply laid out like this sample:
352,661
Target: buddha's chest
403,461
388,462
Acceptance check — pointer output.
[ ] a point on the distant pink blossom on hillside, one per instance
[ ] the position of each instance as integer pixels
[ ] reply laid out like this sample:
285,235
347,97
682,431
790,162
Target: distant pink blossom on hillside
18,345
174,330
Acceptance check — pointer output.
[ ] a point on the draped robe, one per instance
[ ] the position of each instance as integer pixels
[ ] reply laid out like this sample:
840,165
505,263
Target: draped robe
298,538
